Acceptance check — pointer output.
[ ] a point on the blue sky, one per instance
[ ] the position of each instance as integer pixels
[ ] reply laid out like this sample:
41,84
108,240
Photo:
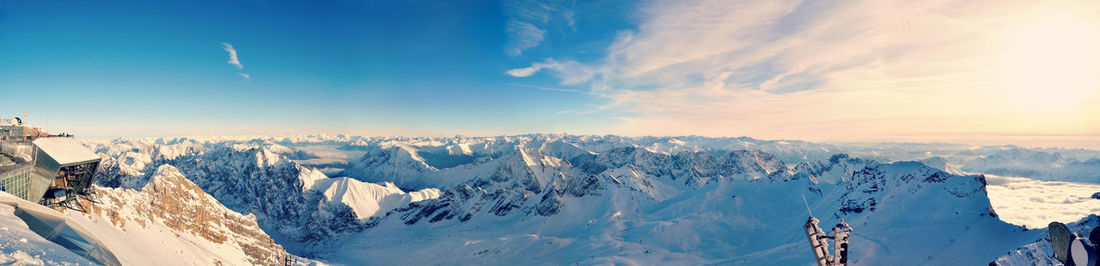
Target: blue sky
991,72
159,68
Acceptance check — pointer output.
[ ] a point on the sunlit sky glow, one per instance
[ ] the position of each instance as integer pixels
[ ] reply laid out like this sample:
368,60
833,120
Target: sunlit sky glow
982,72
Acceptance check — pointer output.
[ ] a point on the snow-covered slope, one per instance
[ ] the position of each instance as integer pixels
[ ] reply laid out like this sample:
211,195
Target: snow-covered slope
170,221
21,246
1051,164
369,199
256,177
535,189
902,212
584,199
252,176
1041,252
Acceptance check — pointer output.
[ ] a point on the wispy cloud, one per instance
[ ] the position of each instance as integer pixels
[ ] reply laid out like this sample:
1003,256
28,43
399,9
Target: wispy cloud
547,88
569,72
233,60
528,22
861,69
524,36
574,112
232,55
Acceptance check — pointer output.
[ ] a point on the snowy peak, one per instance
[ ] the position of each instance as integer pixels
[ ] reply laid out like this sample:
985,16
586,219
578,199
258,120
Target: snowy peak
395,164
514,199
868,187
309,177
246,176
169,180
701,207
172,202
836,169
368,199
530,182
754,164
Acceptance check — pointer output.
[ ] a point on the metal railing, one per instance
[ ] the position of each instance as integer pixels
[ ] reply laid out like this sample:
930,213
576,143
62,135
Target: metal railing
16,181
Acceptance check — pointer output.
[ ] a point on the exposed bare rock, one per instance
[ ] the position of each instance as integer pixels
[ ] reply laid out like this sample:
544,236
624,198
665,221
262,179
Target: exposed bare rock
171,200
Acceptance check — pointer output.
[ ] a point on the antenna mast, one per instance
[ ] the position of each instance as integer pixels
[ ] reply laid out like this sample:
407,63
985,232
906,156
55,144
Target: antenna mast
807,204
819,241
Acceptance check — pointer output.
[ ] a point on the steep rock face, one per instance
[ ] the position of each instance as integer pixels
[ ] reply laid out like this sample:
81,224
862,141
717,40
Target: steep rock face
169,200
791,151
520,198
251,179
833,170
533,181
402,163
865,188
662,177
247,176
741,211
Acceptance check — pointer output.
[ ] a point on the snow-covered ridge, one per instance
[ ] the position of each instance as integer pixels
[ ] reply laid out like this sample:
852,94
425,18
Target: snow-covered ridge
1078,165
640,209
172,221
645,200
368,199
252,176
255,177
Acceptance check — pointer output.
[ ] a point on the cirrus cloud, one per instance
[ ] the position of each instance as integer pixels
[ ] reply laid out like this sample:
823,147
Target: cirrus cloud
234,61
232,55
926,70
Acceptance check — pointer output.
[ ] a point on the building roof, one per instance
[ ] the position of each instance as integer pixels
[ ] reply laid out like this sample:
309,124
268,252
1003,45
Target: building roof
60,229
65,150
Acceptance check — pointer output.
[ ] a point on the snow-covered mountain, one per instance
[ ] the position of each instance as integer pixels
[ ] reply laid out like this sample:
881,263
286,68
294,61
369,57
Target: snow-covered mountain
635,205
174,214
1038,164
578,199
1055,164
1051,164
252,176
369,199
169,221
